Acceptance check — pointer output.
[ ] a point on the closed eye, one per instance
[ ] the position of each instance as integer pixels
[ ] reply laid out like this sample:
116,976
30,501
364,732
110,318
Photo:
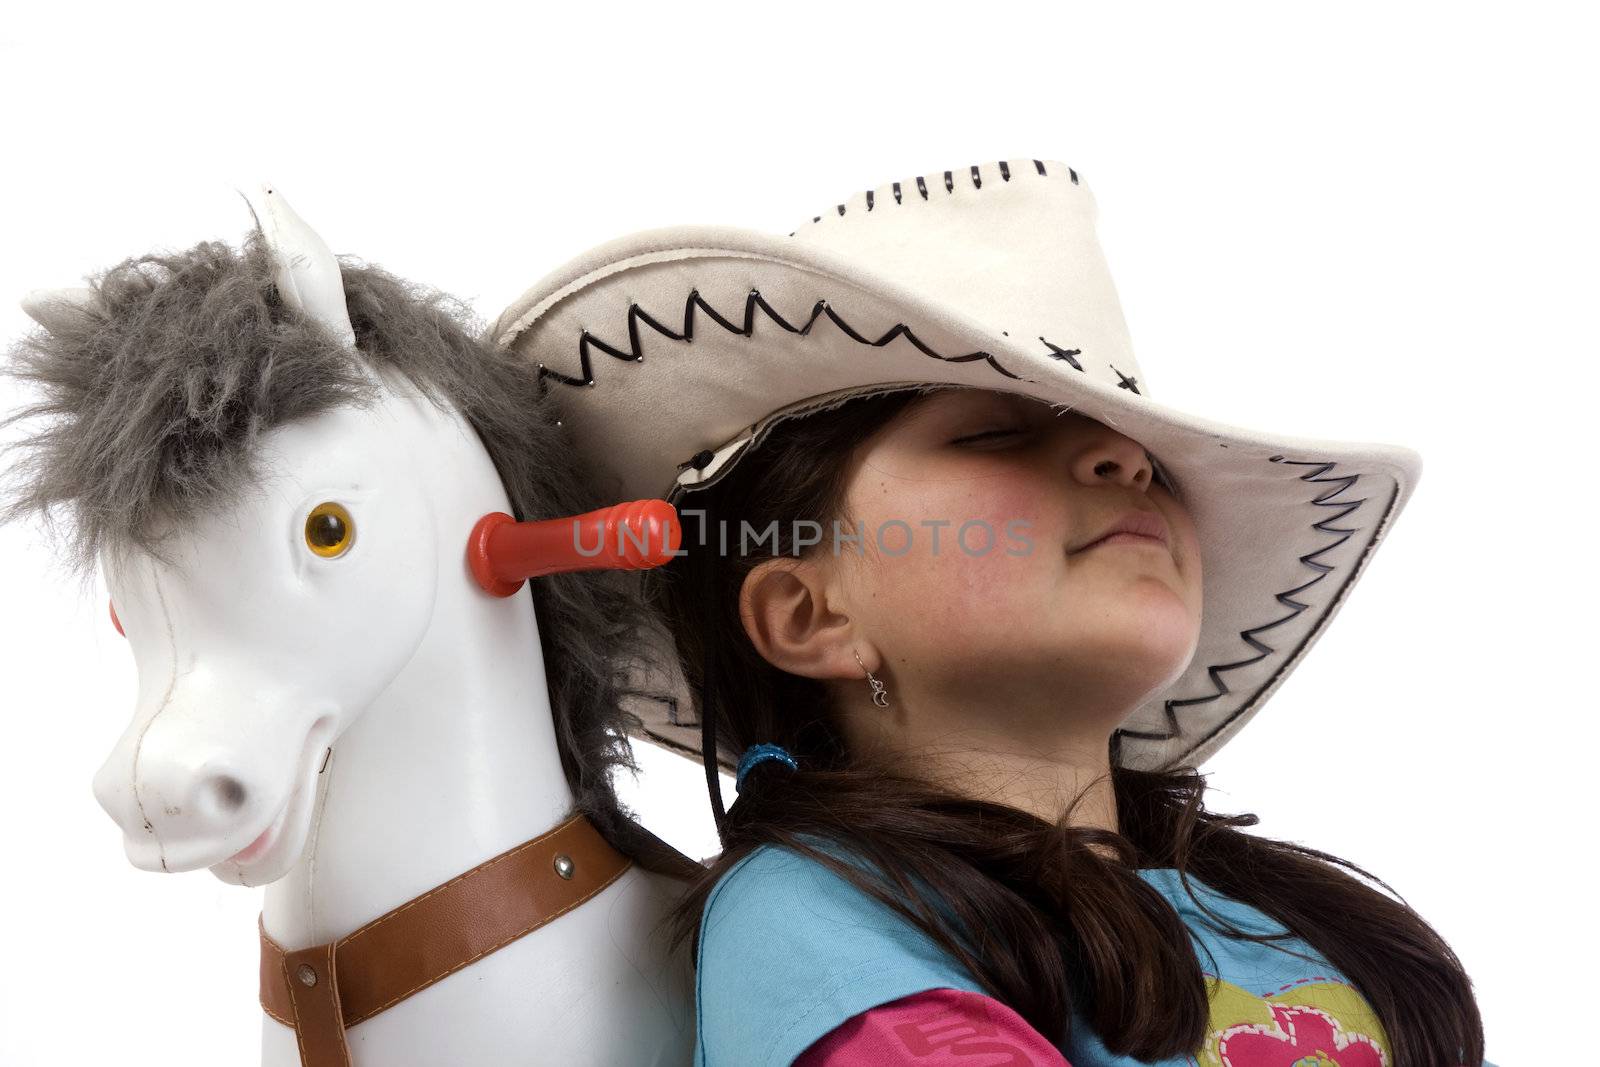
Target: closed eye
986,434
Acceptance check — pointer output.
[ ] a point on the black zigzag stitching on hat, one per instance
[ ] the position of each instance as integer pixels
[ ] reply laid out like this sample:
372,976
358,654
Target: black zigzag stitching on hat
1286,598
753,300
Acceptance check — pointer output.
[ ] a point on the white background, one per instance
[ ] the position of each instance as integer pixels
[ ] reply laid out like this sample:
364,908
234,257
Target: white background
1370,221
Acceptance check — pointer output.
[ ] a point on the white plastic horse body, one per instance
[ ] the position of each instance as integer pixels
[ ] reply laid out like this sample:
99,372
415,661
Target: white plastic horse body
369,726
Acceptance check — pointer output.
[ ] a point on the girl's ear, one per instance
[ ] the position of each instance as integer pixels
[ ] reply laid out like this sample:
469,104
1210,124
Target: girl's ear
784,605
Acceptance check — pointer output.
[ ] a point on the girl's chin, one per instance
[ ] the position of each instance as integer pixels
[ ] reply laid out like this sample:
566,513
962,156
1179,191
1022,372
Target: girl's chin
1132,598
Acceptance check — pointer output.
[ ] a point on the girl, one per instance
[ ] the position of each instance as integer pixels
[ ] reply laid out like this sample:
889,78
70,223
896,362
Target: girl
964,611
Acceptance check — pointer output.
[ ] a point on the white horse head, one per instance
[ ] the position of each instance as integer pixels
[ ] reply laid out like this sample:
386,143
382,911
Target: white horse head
330,701
278,618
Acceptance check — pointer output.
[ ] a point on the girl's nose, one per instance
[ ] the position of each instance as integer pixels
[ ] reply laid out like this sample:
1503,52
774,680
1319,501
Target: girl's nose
1109,456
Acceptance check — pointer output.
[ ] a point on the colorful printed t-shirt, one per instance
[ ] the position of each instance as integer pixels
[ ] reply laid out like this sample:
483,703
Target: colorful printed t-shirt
789,951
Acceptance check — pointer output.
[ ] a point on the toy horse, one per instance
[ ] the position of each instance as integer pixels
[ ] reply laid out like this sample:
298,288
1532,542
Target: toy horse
299,482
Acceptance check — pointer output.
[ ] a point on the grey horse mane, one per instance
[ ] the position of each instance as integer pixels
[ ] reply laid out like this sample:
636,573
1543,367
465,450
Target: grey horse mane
153,404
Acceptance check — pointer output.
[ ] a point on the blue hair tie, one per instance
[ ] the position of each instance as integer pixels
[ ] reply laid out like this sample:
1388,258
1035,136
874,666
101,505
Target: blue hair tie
754,755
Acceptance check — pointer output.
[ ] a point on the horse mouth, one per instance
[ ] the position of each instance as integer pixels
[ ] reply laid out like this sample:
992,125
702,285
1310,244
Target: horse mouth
312,758
268,836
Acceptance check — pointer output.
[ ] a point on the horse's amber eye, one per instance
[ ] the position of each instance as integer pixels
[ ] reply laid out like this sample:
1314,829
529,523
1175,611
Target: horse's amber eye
329,530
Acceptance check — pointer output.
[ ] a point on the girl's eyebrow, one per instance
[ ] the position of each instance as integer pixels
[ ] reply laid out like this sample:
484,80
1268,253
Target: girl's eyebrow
982,399
932,404
924,406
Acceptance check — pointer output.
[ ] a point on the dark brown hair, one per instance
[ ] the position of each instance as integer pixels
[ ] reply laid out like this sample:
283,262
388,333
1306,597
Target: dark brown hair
1046,923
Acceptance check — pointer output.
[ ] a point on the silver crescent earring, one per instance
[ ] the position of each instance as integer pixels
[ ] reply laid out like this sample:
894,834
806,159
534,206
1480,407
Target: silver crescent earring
879,697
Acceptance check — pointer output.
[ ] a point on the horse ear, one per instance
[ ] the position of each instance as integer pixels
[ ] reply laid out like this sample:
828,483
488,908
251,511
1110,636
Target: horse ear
60,309
307,274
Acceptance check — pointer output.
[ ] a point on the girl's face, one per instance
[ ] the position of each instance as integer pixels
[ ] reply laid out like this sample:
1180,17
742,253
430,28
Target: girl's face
976,588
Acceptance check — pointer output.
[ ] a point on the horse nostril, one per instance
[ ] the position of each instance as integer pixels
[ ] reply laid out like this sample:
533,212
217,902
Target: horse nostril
223,794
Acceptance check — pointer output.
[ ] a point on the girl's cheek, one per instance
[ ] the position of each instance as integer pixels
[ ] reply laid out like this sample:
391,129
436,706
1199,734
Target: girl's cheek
981,531
1010,512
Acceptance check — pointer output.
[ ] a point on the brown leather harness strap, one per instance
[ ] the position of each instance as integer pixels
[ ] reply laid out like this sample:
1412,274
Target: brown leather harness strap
322,990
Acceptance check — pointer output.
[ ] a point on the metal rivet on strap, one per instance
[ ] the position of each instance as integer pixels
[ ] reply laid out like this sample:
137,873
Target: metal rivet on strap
307,974
564,865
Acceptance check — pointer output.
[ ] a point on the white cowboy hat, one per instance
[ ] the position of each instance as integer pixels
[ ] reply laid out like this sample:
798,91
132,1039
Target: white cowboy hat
673,350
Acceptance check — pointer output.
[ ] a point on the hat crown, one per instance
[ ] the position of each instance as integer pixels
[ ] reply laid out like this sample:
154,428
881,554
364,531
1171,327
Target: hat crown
1010,245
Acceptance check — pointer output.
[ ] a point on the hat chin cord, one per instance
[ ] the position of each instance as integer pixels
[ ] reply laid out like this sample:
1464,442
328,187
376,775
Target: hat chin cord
708,730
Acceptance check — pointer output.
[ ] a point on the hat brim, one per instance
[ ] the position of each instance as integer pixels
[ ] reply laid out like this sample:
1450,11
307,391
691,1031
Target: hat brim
1287,524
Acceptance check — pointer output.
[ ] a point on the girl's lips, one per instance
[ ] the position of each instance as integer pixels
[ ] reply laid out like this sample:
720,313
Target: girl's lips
1129,539
1141,524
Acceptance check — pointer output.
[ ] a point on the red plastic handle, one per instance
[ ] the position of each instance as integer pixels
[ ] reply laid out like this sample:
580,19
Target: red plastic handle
503,553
